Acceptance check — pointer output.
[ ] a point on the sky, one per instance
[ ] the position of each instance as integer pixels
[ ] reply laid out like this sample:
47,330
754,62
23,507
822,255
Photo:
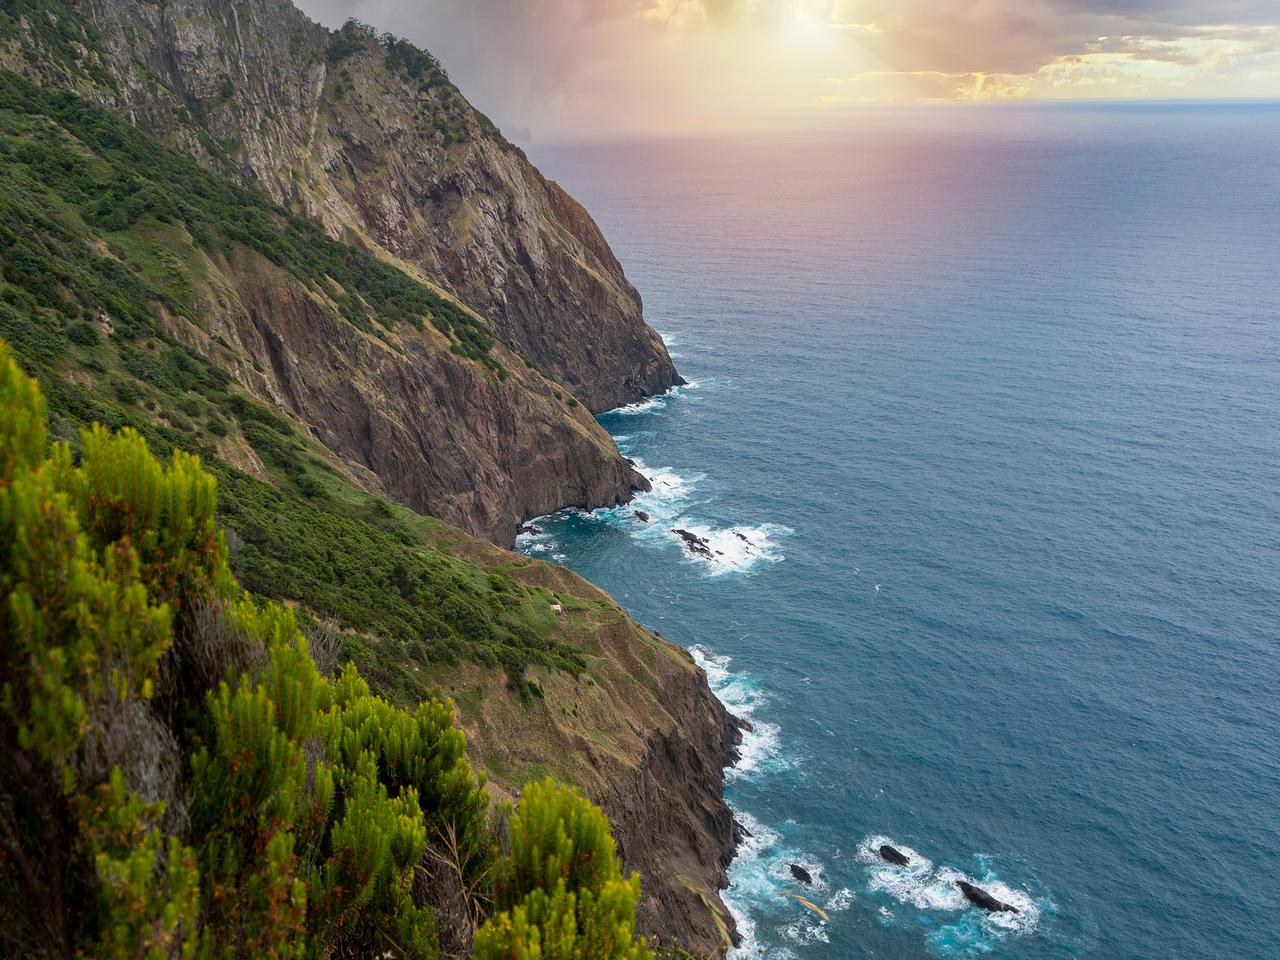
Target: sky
601,69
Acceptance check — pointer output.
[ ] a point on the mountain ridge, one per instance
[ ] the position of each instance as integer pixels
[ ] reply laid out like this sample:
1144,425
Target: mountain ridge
365,134
317,376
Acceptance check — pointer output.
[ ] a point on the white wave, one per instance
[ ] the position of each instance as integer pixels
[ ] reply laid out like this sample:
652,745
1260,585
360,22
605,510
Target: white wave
653,517
647,405
926,888
840,901
760,750
749,881
805,932
760,872
735,549
669,490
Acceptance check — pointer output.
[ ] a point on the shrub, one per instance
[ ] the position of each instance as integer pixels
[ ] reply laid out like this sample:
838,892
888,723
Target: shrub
83,334
559,890
317,806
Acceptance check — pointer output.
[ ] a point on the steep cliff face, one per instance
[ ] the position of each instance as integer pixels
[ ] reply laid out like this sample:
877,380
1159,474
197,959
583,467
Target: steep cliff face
369,137
407,417
416,400
640,732
120,283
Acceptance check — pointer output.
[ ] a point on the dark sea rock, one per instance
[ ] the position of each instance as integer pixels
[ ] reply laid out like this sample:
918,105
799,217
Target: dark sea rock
801,874
896,857
694,543
980,898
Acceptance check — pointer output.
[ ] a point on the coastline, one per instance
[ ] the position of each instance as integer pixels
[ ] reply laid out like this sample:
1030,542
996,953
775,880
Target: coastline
743,743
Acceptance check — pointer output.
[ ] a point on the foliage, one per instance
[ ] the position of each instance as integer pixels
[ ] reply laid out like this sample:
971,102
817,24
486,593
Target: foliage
58,152
314,803
64,37
81,636
559,889
54,286
450,114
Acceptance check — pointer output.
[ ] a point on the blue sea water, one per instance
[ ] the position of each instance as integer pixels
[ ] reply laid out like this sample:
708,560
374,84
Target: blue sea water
983,429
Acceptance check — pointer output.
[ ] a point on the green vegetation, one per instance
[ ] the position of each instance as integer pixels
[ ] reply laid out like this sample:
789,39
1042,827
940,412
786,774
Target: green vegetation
63,35
81,320
449,111
71,169
178,777
559,891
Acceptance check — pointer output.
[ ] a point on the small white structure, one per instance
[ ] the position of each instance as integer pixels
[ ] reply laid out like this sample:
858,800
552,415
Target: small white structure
557,609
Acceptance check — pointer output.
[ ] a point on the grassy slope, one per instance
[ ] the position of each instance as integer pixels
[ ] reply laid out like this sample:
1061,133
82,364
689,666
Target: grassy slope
101,228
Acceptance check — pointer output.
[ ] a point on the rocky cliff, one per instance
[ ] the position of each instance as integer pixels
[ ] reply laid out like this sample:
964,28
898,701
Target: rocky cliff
367,135
406,416
149,292
639,731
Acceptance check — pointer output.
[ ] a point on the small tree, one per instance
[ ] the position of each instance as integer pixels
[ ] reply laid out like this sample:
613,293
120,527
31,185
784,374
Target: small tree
560,889
81,638
315,805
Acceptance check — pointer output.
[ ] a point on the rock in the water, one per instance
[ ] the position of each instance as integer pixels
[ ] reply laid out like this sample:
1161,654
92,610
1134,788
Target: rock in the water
642,516
980,898
694,543
531,529
896,857
801,874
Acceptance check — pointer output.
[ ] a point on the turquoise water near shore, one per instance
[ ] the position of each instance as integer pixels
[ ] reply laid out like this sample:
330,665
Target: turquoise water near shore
983,434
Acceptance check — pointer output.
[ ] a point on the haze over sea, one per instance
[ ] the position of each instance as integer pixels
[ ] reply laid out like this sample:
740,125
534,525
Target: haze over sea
984,438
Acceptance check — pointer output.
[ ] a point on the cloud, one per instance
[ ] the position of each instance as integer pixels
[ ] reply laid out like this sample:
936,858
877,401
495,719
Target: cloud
609,67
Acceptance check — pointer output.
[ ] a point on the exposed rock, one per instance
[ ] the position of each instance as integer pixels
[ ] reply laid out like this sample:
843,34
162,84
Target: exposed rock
382,148
801,874
980,898
894,856
338,129
645,738
642,516
406,417
695,544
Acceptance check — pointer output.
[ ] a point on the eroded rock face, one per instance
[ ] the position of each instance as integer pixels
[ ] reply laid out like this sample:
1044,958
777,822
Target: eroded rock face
372,141
406,417
643,736
385,148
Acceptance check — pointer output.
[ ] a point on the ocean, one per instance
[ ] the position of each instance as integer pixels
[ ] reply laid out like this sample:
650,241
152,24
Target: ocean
983,436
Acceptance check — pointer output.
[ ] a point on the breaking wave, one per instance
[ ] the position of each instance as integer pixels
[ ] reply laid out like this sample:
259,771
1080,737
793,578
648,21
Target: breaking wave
655,403
762,889
957,928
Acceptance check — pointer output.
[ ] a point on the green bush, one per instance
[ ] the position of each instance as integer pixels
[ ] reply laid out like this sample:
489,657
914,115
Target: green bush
315,806
58,152
58,155
559,890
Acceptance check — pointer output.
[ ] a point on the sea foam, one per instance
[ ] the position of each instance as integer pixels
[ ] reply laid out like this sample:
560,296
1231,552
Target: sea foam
761,884
962,929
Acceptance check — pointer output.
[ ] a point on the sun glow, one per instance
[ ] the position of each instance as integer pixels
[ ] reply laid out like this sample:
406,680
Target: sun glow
602,68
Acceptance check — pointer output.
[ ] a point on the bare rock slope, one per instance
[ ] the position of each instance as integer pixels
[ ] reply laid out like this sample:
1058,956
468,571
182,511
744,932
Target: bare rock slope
368,136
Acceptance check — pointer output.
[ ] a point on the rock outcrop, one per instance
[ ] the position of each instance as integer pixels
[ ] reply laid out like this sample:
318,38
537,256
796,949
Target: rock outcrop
367,137
406,417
